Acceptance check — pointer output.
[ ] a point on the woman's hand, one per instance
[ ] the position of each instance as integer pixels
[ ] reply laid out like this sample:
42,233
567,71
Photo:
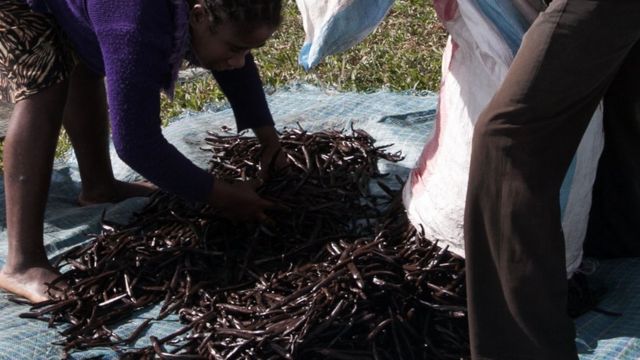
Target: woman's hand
239,201
272,158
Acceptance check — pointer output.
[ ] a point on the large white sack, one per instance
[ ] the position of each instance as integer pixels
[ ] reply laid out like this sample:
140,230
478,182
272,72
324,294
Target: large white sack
476,59
332,26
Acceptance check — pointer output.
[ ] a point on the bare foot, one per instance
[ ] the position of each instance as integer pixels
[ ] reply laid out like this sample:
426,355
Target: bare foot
30,283
118,191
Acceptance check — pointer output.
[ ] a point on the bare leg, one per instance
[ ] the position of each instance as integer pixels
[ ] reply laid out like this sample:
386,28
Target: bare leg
86,122
28,157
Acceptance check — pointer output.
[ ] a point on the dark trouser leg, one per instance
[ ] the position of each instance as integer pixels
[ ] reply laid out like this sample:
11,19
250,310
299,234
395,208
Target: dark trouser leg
614,230
522,147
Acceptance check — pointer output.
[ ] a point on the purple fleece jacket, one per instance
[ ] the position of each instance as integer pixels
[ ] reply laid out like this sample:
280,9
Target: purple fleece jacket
138,45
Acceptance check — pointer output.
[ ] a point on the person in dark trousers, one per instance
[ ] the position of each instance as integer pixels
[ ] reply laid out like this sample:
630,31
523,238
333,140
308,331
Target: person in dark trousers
614,230
54,56
523,145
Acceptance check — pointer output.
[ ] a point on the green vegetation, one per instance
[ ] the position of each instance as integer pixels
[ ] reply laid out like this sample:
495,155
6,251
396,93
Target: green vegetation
404,53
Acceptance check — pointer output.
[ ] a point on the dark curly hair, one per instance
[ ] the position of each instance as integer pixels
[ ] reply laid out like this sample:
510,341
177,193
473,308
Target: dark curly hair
252,13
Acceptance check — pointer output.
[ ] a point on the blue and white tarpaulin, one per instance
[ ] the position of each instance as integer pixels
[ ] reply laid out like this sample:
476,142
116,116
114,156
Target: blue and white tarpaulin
404,120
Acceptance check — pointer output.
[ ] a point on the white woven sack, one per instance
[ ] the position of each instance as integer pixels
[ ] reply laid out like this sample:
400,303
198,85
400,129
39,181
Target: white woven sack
474,64
332,26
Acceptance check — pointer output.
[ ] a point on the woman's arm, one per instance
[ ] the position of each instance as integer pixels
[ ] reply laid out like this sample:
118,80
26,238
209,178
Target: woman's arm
243,89
136,40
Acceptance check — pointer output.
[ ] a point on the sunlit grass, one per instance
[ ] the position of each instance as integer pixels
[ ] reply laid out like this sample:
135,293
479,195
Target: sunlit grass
404,53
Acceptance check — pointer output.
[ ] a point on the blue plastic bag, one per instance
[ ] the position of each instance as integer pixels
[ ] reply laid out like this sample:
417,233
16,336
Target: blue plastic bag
332,26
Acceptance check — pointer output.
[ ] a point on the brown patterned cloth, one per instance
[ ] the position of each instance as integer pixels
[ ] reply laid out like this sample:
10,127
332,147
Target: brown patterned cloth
33,53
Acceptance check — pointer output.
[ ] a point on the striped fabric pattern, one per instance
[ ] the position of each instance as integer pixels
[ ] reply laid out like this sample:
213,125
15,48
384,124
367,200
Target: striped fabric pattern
33,55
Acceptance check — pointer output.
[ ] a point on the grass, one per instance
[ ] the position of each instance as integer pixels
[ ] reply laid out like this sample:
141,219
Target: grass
404,53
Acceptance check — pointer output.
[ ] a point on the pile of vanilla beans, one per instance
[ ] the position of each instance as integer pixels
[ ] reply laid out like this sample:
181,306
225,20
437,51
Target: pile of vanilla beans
339,272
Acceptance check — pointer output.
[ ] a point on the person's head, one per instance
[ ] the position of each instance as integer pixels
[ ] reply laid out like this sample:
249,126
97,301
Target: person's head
223,31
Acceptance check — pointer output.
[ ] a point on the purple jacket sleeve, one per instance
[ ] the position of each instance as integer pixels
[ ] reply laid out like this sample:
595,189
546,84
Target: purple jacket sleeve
136,41
243,89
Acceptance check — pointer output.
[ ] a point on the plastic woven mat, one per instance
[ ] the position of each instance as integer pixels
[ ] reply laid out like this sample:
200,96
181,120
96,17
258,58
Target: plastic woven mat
405,120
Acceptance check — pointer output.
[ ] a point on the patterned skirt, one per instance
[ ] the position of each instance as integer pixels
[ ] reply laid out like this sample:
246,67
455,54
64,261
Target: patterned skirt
33,53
